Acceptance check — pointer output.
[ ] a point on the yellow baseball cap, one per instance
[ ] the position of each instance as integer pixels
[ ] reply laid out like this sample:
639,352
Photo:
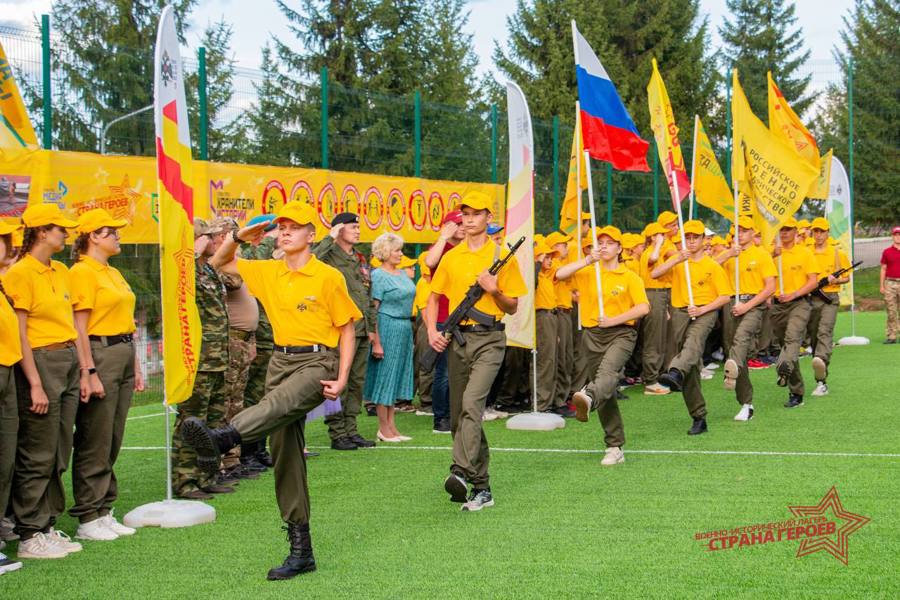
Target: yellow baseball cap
96,219
585,216
696,227
38,215
820,223
717,241
297,211
538,238
803,224
542,248
612,232
407,262
477,200
375,262
653,229
6,227
557,237
423,268
790,223
746,222
666,218
630,240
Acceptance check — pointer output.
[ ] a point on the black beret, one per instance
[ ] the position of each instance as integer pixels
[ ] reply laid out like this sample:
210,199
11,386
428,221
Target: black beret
344,217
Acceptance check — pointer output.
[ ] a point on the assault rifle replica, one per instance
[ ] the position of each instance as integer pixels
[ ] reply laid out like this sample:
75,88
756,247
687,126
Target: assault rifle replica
818,293
467,310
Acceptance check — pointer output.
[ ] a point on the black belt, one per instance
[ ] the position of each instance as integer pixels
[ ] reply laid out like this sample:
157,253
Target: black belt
552,311
301,349
744,297
564,311
241,334
112,340
482,328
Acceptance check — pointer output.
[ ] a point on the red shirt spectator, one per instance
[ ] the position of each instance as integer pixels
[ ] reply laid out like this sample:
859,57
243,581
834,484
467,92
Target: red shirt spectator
890,258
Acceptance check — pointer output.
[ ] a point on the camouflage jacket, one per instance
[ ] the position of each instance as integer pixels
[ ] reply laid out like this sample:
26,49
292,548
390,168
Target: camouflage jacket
213,319
264,336
355,270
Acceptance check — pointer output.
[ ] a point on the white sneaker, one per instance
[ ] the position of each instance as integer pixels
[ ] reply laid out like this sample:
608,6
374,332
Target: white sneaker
718,355
424,413
116,527
96,531
8,565
656,389
706,374
583,405
62,539
745,414
614,456
821,389
489,414
820,369
501,414
712,366
40,546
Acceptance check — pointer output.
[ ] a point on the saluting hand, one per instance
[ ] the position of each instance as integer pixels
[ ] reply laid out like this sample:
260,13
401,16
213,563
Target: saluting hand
253,234
335,231
448,230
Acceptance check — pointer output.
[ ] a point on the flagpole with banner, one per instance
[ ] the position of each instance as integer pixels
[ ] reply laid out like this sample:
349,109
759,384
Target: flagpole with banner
693,167
578,154
180,319
592,210
520,327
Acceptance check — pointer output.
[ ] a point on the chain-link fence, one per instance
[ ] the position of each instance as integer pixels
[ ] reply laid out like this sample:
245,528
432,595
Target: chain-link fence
262,117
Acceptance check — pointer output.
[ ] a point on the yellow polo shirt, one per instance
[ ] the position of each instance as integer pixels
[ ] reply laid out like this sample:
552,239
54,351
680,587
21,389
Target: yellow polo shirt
460,268
423,290
545,293
828,260
622,290
708,282
631,263
102,290
667,249
44,293
563,289
307,306
10,343
796,265
756,264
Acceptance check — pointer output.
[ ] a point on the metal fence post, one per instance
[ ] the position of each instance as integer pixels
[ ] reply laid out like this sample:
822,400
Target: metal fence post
850,145
556,172
609,194
494,143
204,109
323,78
655,181
47,96
417,134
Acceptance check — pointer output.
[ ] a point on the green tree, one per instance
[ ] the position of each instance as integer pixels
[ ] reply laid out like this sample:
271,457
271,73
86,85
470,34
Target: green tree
267,139
870,42
761,36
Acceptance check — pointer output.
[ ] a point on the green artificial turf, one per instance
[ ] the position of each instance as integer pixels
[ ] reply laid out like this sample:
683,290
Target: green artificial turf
562,527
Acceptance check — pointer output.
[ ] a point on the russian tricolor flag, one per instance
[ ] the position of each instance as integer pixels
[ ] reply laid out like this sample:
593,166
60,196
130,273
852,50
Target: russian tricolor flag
607,129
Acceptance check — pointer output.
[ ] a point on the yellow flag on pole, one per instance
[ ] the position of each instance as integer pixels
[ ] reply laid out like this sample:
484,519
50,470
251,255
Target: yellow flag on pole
15,127
570,213
820,187
777,176
786,125
662,121
710,188
181,321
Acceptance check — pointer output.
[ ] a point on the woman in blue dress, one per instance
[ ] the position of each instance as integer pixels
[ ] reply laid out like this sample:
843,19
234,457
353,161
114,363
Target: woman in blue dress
389,376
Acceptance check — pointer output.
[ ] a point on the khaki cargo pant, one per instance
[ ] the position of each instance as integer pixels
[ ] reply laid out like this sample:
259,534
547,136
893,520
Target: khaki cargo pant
604,353
688,338
565,357
472,369
654,329
545,331
892,305
9,431
789,322
343,424
241,353
424,378
207,402
739,336
45,443
99,431
820,330
293,389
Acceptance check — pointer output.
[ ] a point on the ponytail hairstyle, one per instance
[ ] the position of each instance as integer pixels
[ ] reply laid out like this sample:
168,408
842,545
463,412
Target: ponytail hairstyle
80,246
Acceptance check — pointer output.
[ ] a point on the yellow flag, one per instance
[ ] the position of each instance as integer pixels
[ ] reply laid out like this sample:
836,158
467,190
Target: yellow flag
181,321
662,121
819,188
570,213
786,125
15,126
777,176
710,188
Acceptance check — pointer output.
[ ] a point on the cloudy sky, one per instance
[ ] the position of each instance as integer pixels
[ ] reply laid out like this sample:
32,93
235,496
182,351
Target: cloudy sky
256,20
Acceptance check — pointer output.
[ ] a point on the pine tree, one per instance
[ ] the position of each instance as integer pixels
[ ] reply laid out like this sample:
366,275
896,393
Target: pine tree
870,41
762,36
268,143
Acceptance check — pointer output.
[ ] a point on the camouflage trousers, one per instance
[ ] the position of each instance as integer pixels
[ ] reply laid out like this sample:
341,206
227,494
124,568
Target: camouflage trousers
206,402
241,352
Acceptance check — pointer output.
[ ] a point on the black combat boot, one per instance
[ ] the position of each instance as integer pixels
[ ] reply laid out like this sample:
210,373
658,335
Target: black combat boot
300,560
249,451
209,444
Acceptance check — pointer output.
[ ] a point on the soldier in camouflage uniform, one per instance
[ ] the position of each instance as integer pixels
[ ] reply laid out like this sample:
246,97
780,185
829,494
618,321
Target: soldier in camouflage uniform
337,250
208,398
254,454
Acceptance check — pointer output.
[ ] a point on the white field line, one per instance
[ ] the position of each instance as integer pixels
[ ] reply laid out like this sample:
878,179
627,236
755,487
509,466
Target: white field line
580,451
145,416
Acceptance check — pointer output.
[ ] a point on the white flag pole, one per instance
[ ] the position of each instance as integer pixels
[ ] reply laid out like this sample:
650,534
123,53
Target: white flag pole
677,203
693,166
578,188
590,190
736,240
